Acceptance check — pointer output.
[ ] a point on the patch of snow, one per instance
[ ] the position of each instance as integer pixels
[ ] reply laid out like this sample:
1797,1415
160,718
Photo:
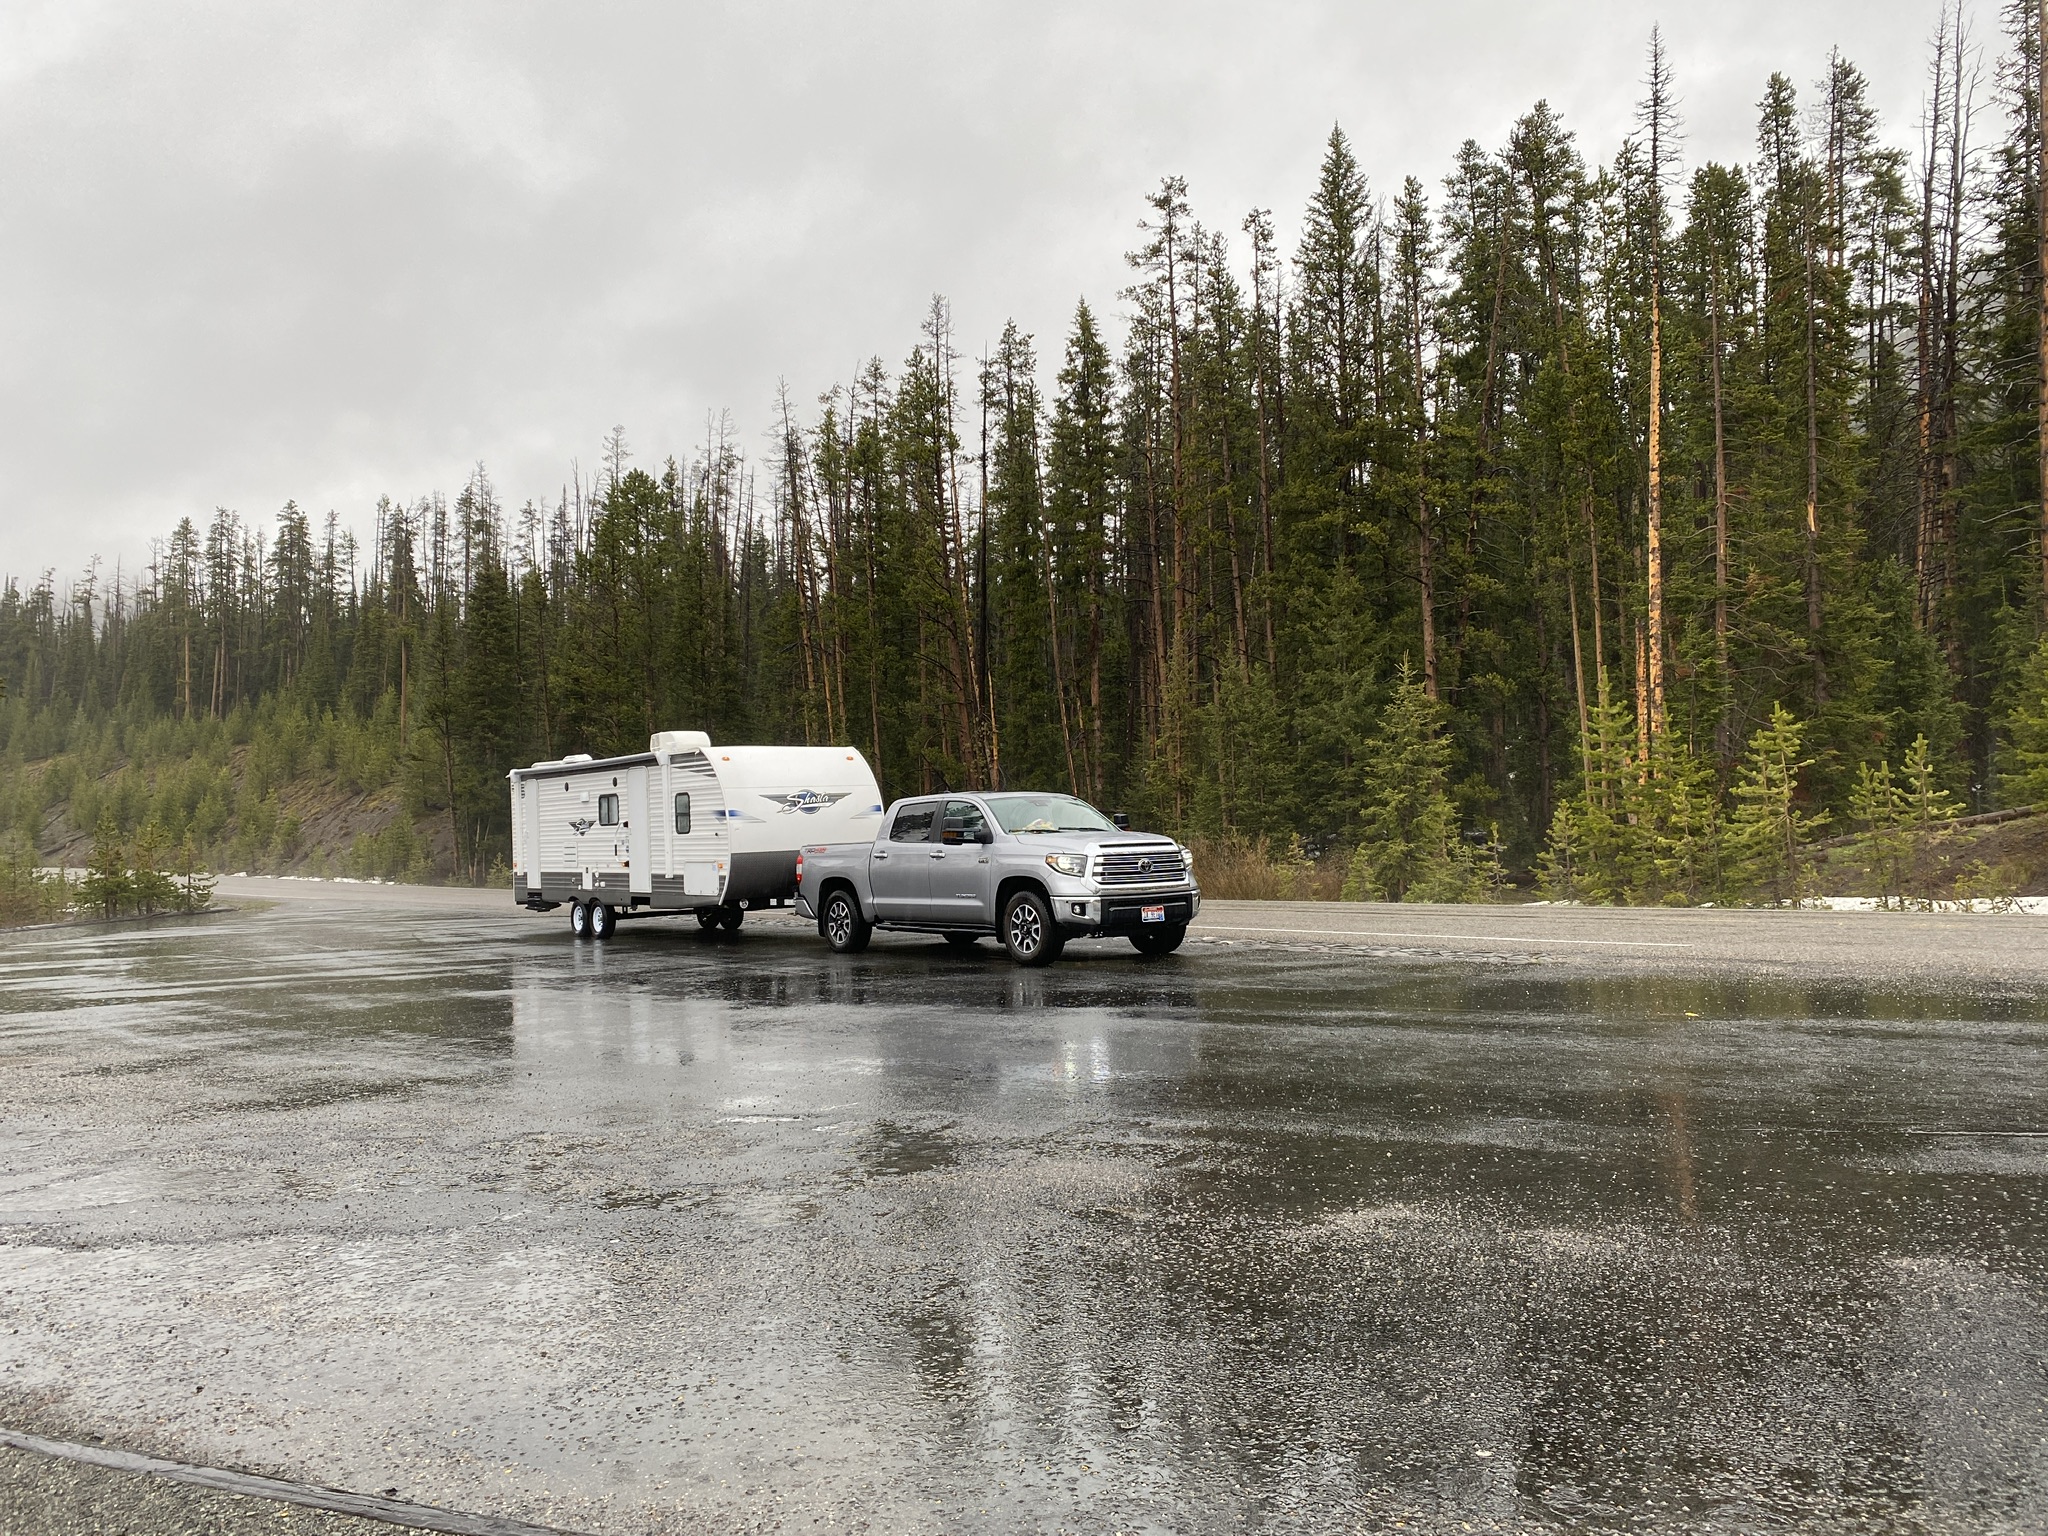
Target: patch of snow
2033,906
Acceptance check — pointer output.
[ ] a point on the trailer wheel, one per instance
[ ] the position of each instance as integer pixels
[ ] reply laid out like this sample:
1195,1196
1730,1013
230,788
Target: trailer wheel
708,918
1159,941
579,920
1030,933
604,921
844,929
733,916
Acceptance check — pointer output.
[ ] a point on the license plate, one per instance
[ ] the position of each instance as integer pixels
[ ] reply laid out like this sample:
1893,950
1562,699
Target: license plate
1152,914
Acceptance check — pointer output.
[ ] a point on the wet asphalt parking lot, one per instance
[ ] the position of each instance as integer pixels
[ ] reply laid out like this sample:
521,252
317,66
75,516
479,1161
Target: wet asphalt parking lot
1441,1222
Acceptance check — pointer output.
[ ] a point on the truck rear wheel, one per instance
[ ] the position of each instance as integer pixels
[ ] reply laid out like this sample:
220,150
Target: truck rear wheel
579,919
604,922
842,926
1159,941
1029,932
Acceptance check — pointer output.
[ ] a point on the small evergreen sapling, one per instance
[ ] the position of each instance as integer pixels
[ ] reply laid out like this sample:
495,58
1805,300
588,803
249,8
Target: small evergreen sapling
1678,828
1557,867
1410,850
152,887
1879,810
2024,780
106,884
1767,828
195,890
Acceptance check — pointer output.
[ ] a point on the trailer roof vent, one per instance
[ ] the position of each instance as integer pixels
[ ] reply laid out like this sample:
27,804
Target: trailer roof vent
679,741
577,757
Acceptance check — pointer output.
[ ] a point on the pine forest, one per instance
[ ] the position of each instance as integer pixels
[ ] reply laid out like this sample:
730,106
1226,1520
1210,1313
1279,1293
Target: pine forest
1622,530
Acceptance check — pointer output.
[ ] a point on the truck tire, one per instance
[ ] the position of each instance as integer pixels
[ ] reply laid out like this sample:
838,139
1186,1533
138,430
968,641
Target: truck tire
1159,941
842,926
604,922
579,920
1029,932
708,919
732,917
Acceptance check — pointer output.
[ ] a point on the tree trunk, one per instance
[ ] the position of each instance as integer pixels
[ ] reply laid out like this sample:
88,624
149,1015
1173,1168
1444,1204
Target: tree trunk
1722,724
1820,672
1425,539
1571,587
2041,272
1654,640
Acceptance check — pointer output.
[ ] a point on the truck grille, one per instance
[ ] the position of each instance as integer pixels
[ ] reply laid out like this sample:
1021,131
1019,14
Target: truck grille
1149,867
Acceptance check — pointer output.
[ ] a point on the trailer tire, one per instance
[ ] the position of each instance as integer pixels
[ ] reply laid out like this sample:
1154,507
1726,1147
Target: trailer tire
708,919
1159,941
604,922
1030,932
841,924
732,915
579,920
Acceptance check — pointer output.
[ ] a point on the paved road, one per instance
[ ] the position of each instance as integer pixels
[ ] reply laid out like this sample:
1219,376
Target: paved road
1468,1220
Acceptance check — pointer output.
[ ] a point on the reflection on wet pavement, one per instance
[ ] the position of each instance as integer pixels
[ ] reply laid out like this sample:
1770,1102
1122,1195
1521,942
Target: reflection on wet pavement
682,1233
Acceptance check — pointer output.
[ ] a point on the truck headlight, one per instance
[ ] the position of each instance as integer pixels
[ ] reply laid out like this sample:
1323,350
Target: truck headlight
1068,863
1187,858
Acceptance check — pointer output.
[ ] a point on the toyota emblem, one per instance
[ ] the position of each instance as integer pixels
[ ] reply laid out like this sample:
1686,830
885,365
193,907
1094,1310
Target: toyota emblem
1144,866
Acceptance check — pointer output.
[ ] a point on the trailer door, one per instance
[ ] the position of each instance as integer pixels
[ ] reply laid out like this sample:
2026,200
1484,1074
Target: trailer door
640,831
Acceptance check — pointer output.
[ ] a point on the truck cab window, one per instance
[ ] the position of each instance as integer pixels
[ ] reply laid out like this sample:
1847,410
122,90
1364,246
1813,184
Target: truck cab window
913,824
970,817
682,815
607,810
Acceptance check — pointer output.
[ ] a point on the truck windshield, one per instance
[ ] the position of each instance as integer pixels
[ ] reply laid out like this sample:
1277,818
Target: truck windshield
1046,813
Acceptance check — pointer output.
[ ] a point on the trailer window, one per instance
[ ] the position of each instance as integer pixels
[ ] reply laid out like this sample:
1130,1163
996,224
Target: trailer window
607,810
682,815
913,824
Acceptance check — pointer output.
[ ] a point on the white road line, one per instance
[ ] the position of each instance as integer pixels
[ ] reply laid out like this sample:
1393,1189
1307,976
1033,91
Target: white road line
1473,938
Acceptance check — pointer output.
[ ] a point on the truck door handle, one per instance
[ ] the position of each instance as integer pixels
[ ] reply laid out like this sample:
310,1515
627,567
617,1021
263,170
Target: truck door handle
881,853
938,853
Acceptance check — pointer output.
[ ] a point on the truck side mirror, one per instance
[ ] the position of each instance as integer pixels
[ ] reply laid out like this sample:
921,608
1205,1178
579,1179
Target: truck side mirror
1121,820
984,834
952,829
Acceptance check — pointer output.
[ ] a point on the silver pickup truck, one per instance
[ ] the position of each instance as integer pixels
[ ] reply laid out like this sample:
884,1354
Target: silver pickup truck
1033,870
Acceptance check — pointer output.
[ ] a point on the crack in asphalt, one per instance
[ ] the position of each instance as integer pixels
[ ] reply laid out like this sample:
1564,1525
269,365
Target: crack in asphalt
371,1506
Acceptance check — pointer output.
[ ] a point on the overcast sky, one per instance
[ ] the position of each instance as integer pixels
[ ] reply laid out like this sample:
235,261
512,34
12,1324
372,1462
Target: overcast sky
327,252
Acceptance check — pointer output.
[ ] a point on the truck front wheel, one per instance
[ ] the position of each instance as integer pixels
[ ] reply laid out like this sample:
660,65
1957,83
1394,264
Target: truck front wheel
1030,933
843,926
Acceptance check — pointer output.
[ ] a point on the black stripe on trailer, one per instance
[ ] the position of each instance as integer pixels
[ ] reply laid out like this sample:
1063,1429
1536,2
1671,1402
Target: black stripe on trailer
595,765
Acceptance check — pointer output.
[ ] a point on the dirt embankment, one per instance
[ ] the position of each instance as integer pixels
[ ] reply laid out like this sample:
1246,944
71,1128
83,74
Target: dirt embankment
2005,858
314,825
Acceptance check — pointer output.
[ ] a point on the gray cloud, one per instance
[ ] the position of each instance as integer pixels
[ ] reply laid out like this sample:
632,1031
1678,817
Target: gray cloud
259,252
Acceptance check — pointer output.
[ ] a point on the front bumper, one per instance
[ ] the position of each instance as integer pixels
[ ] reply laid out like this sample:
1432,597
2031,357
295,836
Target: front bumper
1122,912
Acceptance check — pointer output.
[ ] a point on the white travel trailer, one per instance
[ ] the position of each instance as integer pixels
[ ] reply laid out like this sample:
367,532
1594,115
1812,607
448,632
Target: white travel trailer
682,827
